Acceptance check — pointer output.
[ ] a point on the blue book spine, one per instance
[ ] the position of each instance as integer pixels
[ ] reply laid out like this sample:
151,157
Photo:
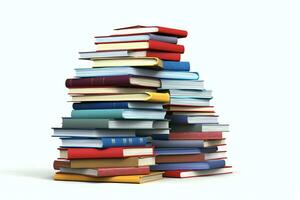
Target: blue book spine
178,119
123,142
100,105
189,166
215,164
176,66
98,114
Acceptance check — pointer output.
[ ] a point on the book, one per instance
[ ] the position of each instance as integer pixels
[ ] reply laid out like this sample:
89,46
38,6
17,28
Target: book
138,29
133,62
210,164
182,84
94,55
117,105
193,136
196,113
104,162
199,127
176,65
105,172
117,81
198,173
184,151
118,114
107,90
178,93
145,45
104,142
189,101
92,133
190,157
119,71
182,108
114,124
183,119
187,143
130,38
147,96
113,152
151,132
153,176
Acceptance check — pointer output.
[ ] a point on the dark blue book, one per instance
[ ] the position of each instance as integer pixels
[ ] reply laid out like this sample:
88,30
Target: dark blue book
210,164
104,142
184,151
176,66
117,105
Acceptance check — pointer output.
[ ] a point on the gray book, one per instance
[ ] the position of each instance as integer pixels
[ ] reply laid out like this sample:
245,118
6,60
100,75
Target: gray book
187,143
199,127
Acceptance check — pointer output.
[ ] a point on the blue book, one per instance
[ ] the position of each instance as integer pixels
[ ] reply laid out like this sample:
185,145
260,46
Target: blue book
194,119
184,151
117,105
104,142
210,164
119,71
176,66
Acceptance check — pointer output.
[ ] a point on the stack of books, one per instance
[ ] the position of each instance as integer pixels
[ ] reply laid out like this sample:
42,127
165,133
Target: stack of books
138,113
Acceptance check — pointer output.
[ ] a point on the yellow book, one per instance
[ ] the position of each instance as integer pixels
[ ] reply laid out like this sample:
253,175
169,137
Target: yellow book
153,176
122,46
147,96
136,62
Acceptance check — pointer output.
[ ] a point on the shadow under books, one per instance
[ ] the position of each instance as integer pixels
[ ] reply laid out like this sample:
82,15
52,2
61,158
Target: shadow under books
37,173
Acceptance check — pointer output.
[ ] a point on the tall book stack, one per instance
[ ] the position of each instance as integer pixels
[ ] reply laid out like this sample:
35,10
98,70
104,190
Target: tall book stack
119,127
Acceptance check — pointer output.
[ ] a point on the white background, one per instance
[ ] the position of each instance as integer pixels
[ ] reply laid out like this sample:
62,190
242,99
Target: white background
246,51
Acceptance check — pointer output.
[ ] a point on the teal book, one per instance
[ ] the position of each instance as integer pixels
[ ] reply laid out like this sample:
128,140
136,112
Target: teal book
118,114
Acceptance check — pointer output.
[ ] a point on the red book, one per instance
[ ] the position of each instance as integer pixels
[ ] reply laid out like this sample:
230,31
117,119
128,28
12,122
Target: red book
122,81
104,172
163,55
115,152
195,136
187,174
138,29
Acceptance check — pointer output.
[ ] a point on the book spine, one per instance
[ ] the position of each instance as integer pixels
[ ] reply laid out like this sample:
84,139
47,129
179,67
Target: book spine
178,119
98,81
100,105
163,46
123,142
172,31
97,113
196,136
102,172
164,56
215,164
81,153
176,66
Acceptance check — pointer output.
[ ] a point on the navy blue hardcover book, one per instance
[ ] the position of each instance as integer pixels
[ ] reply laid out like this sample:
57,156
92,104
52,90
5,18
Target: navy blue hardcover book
117,105
184,151
211,164
176,66
104,142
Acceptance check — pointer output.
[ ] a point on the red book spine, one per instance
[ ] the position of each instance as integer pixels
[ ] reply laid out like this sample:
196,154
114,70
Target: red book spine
81,153
196,136
163,46
164,56
123,171
172,31
98,82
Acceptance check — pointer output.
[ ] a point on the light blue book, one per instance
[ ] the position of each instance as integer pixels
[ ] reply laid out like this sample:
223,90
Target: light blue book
118,114
119,71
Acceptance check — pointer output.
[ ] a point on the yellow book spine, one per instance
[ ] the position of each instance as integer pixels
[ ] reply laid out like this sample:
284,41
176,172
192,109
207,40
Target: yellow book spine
158,97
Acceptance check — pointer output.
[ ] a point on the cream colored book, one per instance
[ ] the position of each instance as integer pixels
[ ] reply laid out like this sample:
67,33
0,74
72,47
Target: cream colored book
136,62
107,90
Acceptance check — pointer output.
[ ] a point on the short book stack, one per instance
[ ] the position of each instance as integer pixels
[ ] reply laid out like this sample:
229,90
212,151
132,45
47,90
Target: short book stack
122,106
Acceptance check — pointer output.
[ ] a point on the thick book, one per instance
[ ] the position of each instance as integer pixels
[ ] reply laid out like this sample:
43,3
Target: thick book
145,45
92,133
131,38
190,157
104,142
118,114
153,176
199,127
184,151
182,108
117,105
105,172
146,97
117,81
202,94
138,29
94,55
197,173
191,136
107,90
210,164
182,84
113,152
183,119
120,71
114,124
104,162
133,62
187,143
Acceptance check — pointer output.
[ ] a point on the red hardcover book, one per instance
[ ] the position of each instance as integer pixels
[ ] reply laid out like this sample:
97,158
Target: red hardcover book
138,29
179,158
122,81
115,152
188,174
195,136
104,172
164,55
